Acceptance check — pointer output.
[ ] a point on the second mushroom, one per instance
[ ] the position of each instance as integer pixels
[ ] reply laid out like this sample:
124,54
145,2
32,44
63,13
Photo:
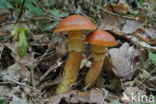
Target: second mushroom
100,40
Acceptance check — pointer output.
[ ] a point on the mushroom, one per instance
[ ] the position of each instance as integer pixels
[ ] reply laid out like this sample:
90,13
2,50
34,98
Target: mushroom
74,25
100,40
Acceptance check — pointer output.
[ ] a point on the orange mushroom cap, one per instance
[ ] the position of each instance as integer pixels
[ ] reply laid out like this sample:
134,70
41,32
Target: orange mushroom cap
101,38
75,22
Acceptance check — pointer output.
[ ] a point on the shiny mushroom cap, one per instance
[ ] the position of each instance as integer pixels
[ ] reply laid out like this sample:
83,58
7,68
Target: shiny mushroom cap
75,22
101,38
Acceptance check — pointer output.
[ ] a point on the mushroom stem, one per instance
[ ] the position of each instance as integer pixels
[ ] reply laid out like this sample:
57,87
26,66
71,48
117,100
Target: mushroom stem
98,53
72,67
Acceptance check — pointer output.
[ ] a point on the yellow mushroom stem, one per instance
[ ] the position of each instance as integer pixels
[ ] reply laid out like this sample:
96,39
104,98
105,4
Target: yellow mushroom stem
98,53
75,46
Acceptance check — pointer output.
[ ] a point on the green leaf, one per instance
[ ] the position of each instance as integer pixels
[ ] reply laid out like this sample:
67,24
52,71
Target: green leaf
5,4
19,34
23,44
15,32
152,56
1,101
35,9
51,26
57,13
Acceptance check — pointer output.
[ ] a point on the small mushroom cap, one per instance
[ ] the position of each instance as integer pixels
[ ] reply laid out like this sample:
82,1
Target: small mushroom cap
101,38
75,22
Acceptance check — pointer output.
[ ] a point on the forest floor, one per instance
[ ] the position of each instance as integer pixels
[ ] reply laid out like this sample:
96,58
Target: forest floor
31,65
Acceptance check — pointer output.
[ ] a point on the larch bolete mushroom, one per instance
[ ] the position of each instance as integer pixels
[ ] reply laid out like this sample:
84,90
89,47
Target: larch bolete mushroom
74,25
100,40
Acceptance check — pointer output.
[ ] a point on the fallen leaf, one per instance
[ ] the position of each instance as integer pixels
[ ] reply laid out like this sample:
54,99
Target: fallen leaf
28,60
132,93
153,80
131,26
4,14
16,72
40,40
123,60
57,98
94,96
151,35
109,22
98,96
121,8
4,90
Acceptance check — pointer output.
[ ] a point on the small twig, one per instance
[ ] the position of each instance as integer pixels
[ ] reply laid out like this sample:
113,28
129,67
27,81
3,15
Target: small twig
104,96
21,10
135,41
3,83
21,84
136,80
142,44
52,68
32,78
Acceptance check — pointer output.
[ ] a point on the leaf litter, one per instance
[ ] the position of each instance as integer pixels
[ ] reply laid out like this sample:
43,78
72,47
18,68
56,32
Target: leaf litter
33,78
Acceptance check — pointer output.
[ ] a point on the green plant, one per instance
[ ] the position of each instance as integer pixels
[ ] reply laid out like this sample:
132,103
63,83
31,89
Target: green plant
1,101
5,4
19,35
152,57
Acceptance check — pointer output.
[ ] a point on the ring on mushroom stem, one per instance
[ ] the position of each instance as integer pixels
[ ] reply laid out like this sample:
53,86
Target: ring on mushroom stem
75,25
100,41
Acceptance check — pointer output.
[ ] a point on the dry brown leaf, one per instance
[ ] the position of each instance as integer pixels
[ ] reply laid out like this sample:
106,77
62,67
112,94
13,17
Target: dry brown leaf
132,92
4,90
123,60
16,72
153,80
109,22
131,26
14,94
151,34
4,33
40,40
28,60
120,8
57,98
94,96
4,14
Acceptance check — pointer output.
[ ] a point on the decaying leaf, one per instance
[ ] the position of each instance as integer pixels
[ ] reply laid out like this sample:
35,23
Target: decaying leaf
131,26
123,60
121,8
132,93
94,96
4,14
16,72
40,40
110,22
153,80
28,60
13,96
